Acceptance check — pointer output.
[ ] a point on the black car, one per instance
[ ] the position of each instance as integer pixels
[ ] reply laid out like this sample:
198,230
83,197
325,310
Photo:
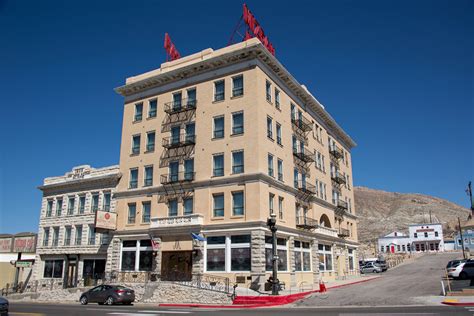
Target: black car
108,294
3,306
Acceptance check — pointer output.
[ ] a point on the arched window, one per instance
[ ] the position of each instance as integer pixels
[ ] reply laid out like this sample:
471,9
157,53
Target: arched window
324,221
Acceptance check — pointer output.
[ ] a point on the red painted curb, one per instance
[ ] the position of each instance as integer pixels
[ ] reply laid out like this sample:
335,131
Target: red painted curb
458,304
266,301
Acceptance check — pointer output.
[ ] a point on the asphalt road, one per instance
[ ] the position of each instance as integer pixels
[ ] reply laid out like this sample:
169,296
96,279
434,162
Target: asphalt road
408,284
22,309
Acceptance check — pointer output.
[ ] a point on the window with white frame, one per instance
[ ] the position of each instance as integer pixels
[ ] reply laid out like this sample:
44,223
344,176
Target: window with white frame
268,90
302,254
91,239
280,207
325,258
282,252
237,86
136,255
351,259
228,253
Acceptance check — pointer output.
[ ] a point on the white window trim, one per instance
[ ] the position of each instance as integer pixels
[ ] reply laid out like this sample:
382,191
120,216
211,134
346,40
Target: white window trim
300,249
325,252
227,246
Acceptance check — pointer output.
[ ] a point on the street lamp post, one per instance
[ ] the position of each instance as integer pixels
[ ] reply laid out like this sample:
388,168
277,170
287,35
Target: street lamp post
271,223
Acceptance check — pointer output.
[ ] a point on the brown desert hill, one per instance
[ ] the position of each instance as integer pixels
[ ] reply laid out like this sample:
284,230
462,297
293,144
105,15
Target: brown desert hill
382,212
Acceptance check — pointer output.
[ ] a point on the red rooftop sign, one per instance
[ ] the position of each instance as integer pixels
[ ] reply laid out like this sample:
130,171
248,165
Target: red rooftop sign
255,30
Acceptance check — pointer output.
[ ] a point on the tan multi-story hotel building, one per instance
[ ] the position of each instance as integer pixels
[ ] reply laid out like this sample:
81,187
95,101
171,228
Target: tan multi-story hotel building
212,144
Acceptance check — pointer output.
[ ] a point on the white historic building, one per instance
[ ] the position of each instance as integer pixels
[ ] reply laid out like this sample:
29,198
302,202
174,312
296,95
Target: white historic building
420,238
70,251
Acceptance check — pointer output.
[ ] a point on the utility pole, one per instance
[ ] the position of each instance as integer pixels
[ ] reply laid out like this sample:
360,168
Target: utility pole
462,240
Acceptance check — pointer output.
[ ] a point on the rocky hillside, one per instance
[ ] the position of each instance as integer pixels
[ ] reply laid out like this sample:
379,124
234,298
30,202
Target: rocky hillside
381,212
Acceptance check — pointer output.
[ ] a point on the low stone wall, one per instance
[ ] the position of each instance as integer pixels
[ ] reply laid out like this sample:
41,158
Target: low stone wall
152,292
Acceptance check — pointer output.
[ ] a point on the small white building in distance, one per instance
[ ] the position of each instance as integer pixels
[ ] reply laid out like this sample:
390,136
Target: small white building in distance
420,238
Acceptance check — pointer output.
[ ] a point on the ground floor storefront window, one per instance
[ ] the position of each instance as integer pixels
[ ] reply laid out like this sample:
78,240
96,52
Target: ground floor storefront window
228,253
282,252
325,258
137,255
53,269
302,254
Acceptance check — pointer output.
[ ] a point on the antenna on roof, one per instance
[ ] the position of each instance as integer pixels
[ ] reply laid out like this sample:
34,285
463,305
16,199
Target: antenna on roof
250,29
171,51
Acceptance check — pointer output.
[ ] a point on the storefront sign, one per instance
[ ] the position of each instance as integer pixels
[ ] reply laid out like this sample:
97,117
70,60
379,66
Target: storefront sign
6,244
23,264
25,244
105,220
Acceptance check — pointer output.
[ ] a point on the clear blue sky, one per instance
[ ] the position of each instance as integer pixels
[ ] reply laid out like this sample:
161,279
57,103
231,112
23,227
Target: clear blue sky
397,75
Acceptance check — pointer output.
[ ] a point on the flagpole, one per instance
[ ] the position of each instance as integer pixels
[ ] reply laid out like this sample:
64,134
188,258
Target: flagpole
469,192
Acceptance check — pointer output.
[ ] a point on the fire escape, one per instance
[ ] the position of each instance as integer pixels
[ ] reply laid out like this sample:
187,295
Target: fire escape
338,179
178,148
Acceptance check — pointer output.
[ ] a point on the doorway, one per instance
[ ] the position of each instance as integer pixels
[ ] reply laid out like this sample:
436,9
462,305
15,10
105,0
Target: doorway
176,265
71,274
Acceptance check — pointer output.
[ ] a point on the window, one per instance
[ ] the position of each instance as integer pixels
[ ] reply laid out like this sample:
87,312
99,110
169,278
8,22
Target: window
138,112
106,202
293,111
218,205
295,144
191,98
177,98
49,208
148,176
135,144
82,204
348,183
240,253
237,162
55,236
269,127
403,248
280,169
268,90
237,203
95,202
67,236
188,204
436,234
173,208
426,234
282,253
382,248
219,90
238,123
415,235
46,237
150,141
190,133
216,249
295,178
278,129
152,105
189,169
79,235
271,209
398,247
59,207
133,178
70,205
173,171
175,135
53,269
218,170
91,235
325,257
277,98
137,255
302,253
270,165
219,127
132,213
280,207
237,86
146,211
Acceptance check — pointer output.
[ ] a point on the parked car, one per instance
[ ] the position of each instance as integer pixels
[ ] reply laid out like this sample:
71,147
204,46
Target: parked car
454,263
382,264
371,267
108,294
467,271
3,306
455,271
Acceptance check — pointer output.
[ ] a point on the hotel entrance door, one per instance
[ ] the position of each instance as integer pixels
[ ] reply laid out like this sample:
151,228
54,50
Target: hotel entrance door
176,265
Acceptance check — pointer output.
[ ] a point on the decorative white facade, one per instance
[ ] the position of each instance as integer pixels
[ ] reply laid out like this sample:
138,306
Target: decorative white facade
69,250
420,238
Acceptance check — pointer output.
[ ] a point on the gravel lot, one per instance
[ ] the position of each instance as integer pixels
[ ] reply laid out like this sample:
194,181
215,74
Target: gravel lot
411,283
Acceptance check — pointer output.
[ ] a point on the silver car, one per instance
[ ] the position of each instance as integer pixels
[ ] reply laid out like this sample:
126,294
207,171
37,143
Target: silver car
371,267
